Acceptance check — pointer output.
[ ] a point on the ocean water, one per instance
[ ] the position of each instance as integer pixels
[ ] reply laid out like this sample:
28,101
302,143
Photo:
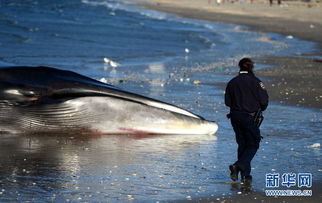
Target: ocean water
157,55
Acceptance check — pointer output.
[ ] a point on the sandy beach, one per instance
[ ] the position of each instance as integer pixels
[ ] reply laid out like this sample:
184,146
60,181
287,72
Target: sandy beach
300,20
292,81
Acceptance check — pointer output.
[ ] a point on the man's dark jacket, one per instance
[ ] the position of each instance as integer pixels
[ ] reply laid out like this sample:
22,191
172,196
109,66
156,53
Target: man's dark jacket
246,93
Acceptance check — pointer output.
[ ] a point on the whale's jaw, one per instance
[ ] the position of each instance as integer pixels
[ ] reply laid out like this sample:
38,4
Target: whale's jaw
115,116
105,115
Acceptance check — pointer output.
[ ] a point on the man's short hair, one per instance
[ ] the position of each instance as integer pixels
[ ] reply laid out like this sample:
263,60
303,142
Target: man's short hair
243,61
246,64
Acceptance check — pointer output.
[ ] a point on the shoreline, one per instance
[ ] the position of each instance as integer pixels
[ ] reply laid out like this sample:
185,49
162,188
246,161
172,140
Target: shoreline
284,20
290,80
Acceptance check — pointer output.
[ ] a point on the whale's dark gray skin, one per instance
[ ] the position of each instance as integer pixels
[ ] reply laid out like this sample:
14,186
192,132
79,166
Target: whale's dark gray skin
43,99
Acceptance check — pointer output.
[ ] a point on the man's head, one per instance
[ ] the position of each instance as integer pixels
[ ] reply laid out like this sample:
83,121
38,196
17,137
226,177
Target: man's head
246,64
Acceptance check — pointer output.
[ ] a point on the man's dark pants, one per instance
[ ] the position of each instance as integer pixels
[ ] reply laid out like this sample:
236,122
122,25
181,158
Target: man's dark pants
247,138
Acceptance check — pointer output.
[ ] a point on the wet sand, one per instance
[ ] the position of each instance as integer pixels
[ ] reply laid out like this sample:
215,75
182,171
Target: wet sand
253,196
290,80
293,81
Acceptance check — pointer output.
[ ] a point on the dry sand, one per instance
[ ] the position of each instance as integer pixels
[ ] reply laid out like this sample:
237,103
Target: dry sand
296,81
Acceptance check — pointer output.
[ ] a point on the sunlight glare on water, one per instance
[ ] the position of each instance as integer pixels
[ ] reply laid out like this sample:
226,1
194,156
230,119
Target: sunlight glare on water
82,166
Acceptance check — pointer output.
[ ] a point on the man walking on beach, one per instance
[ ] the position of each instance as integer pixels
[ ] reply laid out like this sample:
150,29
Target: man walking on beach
247,97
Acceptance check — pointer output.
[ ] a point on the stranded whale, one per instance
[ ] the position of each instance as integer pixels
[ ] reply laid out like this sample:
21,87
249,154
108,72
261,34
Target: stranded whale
43,99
